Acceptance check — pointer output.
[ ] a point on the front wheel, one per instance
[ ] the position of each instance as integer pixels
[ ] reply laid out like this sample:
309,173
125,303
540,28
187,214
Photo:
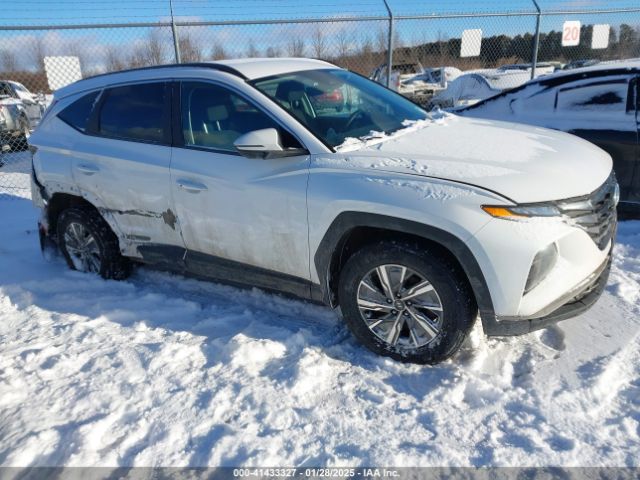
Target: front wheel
88,244
406,301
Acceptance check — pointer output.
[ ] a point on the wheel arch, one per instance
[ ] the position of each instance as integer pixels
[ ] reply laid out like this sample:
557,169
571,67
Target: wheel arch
356,229
60,202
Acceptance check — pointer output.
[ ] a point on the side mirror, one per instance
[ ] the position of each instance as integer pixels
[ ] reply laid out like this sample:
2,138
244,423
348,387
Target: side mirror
264,143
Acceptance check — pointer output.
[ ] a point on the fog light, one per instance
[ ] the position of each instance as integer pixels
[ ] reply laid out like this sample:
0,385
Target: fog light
541,266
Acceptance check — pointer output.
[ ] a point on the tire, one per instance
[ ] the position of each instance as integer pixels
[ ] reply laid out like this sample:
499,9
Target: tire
100,254
422,335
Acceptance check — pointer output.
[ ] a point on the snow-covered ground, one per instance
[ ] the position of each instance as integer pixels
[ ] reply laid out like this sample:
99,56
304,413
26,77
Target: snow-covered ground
163,370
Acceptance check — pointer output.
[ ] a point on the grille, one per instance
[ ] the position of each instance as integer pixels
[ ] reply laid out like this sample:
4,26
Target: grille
594,213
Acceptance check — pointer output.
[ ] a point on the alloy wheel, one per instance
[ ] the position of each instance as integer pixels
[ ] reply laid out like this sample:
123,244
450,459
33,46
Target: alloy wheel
82,248
400,306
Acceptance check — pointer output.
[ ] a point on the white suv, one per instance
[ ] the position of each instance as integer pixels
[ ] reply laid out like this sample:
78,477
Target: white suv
245,171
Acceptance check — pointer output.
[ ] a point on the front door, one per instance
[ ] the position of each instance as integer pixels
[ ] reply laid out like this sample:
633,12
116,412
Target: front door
237,212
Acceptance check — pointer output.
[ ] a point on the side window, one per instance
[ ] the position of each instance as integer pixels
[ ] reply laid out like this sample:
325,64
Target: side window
539,103
5,90
215,117
609,96
77,114
135,112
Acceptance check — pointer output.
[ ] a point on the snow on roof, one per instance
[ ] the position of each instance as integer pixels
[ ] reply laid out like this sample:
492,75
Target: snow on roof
631,64
500,80
507,79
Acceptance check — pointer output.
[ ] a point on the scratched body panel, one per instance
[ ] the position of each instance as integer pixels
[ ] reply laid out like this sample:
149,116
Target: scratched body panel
131,186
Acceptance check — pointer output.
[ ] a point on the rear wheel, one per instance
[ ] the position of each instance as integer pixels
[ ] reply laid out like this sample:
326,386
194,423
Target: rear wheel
88,244
404,301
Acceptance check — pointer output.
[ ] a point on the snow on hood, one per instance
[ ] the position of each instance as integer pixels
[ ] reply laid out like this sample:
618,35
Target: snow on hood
526,164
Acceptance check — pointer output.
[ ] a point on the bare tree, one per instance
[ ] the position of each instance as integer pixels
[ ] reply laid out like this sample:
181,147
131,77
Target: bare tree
77,49
218,52
113,60
38,49
318,43
156,53
382,41
190,51
296,47
344,49
138,57
363,58
273,52
9,61
344,46
252,51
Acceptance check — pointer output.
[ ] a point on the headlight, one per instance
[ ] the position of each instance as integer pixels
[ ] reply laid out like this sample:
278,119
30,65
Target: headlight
616,194
522,211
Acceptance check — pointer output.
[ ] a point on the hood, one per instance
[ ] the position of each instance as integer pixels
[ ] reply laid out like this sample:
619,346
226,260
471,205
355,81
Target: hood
526,164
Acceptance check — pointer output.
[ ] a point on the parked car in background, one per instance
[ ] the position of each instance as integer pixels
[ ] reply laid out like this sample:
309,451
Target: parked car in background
20,113
14,125
34,105
471,88
441,75
415,82
412,224
543,68
580,64
599,104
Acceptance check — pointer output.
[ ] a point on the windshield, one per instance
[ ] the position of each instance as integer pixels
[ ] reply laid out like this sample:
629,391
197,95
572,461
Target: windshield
336,104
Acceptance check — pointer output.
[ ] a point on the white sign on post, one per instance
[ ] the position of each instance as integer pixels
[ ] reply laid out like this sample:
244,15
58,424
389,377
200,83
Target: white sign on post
62,71
571,33
471,43
600,36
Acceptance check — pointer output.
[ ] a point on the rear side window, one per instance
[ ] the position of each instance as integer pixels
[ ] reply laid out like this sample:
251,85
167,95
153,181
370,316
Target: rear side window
77,114
135,112
596,97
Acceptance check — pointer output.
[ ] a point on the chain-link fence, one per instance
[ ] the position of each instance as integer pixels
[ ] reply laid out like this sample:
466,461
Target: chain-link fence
433,53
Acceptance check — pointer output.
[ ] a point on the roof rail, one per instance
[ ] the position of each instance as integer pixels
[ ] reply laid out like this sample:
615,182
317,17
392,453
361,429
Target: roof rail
212,65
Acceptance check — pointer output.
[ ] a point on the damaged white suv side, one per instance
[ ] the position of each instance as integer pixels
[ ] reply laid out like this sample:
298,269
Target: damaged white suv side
297,176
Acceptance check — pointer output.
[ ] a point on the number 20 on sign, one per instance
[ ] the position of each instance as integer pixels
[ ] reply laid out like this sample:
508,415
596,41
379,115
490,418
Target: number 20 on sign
571,34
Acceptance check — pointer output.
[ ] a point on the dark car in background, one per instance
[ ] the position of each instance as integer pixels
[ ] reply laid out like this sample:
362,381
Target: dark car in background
599,103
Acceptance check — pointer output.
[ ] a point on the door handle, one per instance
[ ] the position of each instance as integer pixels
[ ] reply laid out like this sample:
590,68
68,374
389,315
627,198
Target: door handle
191,186
88,169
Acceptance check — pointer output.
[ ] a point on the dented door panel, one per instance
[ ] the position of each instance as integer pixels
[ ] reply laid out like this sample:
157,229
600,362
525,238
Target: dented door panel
130,184
252,211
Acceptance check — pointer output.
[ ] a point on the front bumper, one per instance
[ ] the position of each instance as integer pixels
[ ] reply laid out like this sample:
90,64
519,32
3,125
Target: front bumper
578,301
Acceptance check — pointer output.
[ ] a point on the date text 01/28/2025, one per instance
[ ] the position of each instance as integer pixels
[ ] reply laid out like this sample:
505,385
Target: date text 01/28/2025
316,472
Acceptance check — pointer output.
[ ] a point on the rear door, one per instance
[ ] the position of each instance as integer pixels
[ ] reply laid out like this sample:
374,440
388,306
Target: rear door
122,163
602,111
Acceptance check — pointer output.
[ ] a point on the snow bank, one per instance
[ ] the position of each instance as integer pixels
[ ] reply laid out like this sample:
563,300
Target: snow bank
163,370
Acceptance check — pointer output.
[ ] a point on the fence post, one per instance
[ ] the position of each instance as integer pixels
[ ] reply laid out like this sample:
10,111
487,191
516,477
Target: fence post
174,31
536,42
390,47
